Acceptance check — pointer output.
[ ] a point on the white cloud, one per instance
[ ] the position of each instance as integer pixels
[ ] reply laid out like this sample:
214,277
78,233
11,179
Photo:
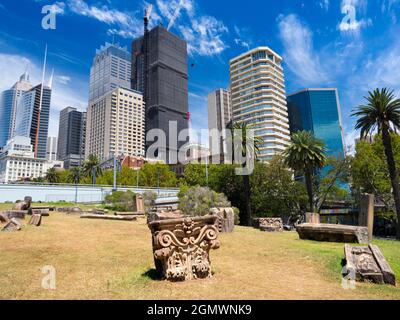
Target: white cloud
351,10
203,33
240,35
324,4
351,141
63,79
299,52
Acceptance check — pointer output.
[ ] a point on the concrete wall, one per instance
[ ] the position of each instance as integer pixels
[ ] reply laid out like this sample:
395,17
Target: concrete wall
10,192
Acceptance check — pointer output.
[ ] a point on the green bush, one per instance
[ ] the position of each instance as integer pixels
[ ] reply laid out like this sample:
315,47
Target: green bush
198,201
236,212
149,198
122,201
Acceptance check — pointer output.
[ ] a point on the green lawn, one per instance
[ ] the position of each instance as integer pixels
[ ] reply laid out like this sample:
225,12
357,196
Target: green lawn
96,259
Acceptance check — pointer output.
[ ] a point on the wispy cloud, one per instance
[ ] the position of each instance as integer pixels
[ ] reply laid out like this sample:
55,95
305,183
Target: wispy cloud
63,79
299,53
324,4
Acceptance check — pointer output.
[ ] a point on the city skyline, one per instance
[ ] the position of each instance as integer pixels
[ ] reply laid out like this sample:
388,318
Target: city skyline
317,48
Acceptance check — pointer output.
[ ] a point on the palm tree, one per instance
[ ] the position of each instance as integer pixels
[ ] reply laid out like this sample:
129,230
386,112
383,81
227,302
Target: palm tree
382,112
74,175
52,176
306,153
248,149
90,165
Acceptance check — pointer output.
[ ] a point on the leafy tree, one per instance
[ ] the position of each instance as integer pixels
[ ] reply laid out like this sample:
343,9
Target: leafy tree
52,176
195,175
122,201
382,112
150,173
92,164
75,175
249,148
306,153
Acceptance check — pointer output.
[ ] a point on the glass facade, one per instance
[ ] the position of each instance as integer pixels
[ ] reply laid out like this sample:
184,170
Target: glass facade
6,112
318,111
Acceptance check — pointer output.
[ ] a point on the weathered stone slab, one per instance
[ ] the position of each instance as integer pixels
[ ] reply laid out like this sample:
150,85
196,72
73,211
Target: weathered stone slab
18,214
35,220
44,208
225,219
100,212
23,205
367,264
12,225
140,204
333,233
268,224
130,214
3,218
313,218
366,215
105,217
159,216
70,210
42,212
181,247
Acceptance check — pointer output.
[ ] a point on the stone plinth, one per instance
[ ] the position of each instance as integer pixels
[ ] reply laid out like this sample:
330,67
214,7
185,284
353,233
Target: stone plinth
23,205
35,220
225,219
12,225
181,247
313,218
268,224
366,216
19,214
333,233
367,264
140,204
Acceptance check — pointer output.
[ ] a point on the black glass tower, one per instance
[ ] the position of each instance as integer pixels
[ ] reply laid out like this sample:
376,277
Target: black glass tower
160,72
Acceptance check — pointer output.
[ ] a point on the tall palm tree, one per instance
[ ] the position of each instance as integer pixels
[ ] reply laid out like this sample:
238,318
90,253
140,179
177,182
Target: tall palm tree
306,153
92,164
52,176
248,149
74,175
382,113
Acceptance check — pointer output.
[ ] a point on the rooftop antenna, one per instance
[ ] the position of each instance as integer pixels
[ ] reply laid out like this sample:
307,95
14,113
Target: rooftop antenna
40,102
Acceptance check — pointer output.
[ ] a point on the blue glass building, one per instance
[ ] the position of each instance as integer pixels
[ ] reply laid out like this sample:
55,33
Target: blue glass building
6,112
318,111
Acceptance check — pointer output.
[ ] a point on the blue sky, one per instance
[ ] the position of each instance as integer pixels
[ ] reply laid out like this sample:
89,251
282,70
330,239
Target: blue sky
320,47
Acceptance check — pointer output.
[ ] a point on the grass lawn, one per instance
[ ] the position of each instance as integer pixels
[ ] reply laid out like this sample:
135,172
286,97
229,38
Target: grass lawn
96,259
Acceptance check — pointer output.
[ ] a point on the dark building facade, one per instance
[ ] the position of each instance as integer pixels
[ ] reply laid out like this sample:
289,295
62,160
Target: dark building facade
318,111
71,137
32,119
166,88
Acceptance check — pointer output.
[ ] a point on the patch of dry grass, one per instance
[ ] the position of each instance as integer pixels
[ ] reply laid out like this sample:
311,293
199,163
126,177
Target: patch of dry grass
97,259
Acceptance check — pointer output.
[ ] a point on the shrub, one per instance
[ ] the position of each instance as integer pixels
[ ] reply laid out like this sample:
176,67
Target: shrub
198,201
122,201
149,198
236,212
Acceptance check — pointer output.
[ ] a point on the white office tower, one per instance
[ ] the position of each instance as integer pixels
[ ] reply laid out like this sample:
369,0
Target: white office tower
51,150
111,69
259,98
219,116
8,107
115,125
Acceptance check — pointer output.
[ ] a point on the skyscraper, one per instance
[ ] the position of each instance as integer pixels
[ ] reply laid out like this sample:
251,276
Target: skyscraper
51,151
71,137
115,125
259,98
8,107
111,69
32,118
162,76
318,110
219,116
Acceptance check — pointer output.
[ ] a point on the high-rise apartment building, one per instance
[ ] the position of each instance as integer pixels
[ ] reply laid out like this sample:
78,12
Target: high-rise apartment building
318,110
259,98
166,89
219,116
32,118
51,150
71,133
115,125
8,107
111,69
